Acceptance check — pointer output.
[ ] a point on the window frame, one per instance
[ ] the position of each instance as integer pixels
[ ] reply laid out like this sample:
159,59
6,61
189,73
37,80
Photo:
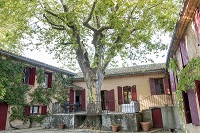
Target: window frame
32,110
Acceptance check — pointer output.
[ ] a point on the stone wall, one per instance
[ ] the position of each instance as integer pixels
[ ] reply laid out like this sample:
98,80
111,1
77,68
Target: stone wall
127,122
52,121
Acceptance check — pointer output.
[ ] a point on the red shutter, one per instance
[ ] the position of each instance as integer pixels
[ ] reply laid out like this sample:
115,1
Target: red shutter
186,108
49,80
193,107
197,83
120,98
32,76
44,110
172,81
184,53
27,110
197,23
134,93
71,97
152,86
166,85
111,100
83,100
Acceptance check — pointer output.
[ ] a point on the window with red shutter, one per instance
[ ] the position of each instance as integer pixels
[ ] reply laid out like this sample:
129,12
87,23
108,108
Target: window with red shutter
44,110
197,23
111,100
197,84
184,53
27,110
159,86
193,107
48,80
71,97
186,108
172,81
166,85
134,93
83,102
32,76
120,98
152,86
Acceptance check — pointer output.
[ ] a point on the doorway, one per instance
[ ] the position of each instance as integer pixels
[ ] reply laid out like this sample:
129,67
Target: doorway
3,115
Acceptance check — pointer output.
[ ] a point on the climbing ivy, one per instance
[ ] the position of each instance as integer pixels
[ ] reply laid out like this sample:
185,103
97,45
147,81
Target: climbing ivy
58,90
186,78
14,92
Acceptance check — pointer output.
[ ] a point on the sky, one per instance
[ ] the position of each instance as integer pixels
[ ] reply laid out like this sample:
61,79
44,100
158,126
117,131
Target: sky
43,56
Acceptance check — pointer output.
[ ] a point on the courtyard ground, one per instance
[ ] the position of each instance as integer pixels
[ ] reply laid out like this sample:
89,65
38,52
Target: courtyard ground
42,130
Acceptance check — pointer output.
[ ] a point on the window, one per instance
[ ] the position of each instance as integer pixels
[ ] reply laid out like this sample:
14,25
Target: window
48,80
29,75
34,110
126,94
159,86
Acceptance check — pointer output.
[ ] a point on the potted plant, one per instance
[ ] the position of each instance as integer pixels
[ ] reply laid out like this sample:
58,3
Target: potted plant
145,126
115,127
61,126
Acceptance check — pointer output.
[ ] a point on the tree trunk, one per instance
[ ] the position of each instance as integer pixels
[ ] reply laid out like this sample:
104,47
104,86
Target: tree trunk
94,80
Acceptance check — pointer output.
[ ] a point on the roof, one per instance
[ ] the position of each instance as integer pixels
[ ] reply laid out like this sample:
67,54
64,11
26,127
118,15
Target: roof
35,63
186,15
133,70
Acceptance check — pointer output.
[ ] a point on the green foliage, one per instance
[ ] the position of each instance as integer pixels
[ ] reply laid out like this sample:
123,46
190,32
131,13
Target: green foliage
18,113
186,78
102,28
58,90
11,76
14,19
172,65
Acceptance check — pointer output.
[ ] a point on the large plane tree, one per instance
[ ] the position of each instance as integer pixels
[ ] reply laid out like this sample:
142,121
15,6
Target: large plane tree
91,31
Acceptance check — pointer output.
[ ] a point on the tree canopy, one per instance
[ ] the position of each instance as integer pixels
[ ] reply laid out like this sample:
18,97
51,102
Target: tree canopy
97,30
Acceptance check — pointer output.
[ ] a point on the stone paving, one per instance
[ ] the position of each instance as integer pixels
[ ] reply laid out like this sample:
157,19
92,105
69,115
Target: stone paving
42,130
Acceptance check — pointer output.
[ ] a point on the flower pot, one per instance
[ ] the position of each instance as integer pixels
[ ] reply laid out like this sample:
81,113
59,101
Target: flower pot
61,126
114,128
145,126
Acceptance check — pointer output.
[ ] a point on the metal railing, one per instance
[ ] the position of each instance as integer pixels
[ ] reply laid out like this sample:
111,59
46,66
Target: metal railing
115,106
155,101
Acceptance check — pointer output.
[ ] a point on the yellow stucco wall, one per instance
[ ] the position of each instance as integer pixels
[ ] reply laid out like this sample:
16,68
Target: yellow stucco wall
142,87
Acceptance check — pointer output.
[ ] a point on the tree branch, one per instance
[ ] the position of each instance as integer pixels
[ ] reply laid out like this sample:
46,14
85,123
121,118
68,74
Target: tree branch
55,15
104,28
86,22
64,6
54,25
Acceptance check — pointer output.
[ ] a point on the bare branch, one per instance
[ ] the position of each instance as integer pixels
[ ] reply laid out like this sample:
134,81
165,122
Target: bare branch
86,22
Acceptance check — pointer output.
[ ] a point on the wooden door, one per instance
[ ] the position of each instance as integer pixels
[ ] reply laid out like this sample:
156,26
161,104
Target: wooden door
3,115
157,118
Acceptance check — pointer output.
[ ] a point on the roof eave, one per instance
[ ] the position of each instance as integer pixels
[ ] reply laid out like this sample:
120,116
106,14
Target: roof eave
186,16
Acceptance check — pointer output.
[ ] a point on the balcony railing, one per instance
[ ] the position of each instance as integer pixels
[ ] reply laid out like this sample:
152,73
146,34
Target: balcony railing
115,106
